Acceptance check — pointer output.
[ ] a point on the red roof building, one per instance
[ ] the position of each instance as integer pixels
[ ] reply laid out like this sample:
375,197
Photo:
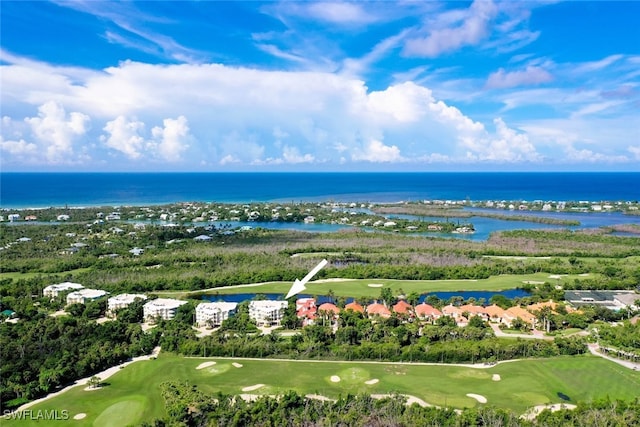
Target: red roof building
377,309
403,307
427,312
355,307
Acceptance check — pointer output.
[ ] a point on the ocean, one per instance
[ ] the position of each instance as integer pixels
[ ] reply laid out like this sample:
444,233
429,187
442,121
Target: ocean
38,190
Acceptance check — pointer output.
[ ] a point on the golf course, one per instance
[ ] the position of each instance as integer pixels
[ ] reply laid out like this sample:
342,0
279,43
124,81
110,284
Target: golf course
132,395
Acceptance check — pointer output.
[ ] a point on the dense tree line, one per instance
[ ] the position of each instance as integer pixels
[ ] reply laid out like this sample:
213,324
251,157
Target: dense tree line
188,406
44,353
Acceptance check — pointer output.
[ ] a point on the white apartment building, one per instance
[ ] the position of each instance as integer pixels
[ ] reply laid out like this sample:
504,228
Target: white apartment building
214,313
55,290
123,300
267,312
84,295
164,308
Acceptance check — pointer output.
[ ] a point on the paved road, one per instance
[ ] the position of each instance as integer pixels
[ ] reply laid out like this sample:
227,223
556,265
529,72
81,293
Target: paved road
593,348
539,335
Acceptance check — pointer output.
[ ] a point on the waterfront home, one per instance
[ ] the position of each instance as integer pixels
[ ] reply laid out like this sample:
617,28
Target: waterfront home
306,310
403,308
496,313
85,295
214,313
121,301
354,306
377,309
475,310
514,313
163,308
267,312
427,312
55,290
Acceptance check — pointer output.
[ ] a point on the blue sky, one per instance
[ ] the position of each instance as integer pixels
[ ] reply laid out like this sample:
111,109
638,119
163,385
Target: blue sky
322,86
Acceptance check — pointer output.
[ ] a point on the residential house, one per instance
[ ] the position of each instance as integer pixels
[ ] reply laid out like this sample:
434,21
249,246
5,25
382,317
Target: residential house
355,307
514,313
475,310
329,311
403,308
496,313
163,308
85,295
427,312
214,313
377,309
54,290
267,312
306,310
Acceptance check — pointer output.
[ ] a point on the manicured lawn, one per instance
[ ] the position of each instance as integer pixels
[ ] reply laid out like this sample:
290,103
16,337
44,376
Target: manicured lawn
132,395
30,275
361,287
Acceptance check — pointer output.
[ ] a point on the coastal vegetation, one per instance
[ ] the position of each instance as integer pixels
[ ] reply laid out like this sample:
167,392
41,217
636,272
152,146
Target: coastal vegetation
50,345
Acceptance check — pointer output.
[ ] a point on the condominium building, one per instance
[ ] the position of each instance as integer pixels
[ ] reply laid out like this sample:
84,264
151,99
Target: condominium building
55,290
163,308
214,313
85,295
123,300
267,312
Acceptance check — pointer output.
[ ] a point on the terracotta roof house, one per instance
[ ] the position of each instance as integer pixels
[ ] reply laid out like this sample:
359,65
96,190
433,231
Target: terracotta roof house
377,309
496,313
425,311
403,307
475,310
452,311
355,307
328,307
540,305
514,312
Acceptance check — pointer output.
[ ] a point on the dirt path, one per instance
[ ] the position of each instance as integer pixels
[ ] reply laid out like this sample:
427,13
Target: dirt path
593,348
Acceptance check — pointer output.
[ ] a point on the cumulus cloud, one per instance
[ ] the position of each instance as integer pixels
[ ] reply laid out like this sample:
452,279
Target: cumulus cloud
54,132
531,75
635,151
376,152
172,139
124,136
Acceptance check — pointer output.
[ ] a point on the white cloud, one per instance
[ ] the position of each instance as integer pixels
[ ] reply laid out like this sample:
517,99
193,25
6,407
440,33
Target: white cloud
124,136
635,151
532,75
56,132
455,30
339,12
172,139
292,155
376,152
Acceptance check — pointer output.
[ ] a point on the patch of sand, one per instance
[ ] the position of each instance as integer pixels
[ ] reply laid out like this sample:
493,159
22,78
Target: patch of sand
555,276
584,275
532,282
477,397
205,365
496,377
410,399
375,285
535,411
79,416
333,280
372,382
253,387
320,397
236,365
335,379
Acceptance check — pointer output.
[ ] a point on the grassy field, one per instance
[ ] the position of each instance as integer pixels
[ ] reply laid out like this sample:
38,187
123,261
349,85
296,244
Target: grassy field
30,275
132,395
362,287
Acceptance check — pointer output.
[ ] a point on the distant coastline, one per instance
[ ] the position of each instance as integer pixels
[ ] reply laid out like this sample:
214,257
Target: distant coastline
39,190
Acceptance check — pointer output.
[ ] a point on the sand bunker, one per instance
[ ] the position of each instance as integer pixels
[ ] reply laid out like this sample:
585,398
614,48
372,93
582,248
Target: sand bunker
496,377
335,379
320,397
532,282
79,416
375,285
555,276
205,365
410,399
253,387
372,382
477,397
236,365
535,411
